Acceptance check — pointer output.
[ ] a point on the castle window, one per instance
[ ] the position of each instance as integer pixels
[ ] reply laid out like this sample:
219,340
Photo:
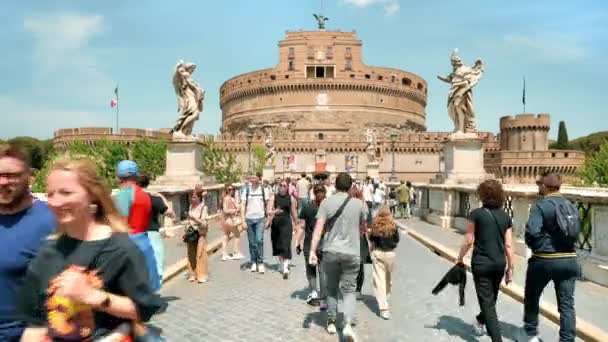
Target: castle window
393,78
348,65
352,75
292,53
406,81
348,53
552,155
566,154
273,77
380,77
286,76
419,86
330,52
311,53
320,71
291,66
367,76
320,136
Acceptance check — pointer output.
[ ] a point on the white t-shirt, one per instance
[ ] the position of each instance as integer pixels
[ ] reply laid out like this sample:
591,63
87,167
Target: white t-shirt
255,202
379,196
303,187
368,190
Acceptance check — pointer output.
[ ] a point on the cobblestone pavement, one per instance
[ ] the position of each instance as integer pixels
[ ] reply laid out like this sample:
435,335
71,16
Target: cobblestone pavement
237,305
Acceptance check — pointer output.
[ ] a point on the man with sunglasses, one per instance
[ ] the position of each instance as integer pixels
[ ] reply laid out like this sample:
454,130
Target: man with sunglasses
24,225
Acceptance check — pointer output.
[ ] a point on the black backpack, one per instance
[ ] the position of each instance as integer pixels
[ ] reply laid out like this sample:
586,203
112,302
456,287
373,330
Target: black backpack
568,222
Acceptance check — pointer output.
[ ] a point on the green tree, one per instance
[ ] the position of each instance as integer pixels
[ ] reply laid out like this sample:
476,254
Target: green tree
150,156
34,147
595,168
258,152
220,164
562,138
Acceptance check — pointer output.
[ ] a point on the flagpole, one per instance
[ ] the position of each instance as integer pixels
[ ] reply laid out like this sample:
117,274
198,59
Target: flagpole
117,104
523,98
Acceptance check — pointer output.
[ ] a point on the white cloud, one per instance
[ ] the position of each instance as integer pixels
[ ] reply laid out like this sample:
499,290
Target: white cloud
549,46
390,6
65,60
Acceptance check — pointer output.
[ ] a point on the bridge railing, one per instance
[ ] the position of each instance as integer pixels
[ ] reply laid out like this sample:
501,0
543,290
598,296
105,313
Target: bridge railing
449,205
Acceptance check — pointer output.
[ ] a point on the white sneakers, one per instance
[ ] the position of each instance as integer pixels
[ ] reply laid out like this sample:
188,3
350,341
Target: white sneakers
254,267
331,328
312,297
348,333
225,257
237,256
261,268
386,314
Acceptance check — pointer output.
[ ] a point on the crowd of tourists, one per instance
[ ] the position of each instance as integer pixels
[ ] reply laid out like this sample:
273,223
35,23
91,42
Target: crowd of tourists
86,265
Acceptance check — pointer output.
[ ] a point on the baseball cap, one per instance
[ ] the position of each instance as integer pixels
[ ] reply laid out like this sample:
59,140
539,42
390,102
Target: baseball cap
127,168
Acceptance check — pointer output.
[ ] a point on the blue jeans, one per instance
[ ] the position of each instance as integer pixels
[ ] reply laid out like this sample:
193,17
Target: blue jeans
142,241
255,235
11,331
563,272
156,241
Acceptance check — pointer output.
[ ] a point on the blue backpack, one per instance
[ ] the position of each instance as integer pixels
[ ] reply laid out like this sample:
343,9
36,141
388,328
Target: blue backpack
568,223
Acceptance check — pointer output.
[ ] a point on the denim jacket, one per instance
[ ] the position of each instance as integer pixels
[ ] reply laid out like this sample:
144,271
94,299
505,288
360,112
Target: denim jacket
540,223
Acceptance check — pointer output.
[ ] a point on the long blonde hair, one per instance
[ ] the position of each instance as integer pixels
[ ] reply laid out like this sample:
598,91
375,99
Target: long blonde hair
98,191
383,224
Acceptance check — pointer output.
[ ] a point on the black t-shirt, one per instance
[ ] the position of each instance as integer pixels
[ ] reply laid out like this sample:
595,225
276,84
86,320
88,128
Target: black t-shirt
158,208
115,265
308,213
490,228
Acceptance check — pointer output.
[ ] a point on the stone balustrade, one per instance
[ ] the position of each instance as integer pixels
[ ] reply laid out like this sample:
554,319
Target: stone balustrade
449,205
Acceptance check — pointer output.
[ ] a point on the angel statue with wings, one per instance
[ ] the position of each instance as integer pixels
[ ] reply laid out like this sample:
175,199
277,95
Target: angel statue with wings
321,19
189,99
460,98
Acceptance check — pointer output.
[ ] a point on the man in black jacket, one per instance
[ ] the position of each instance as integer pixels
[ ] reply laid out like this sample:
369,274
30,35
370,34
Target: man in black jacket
553,259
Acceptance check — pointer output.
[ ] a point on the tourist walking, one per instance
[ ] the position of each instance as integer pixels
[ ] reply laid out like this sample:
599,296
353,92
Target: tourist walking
232,223
392,201
489,233
551,233
25,223
282,221
378,198
160,207
198,220
403,197
383,237
364,256
412,202
308,217
340,220
303,187
88,281
255,198
135,205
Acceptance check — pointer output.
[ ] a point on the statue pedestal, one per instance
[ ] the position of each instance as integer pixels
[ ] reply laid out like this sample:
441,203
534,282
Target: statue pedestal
373,170
268,173
463,156
184,165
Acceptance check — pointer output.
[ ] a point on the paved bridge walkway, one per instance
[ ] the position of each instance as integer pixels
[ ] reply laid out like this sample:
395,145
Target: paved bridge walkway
237,305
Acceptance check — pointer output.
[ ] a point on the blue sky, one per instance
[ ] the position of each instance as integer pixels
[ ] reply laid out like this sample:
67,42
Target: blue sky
61,59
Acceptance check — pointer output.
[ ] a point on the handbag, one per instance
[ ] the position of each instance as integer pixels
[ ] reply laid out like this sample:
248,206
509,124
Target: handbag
191,234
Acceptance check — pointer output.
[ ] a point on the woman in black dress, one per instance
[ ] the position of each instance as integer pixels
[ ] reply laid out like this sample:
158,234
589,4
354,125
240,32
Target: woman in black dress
282,218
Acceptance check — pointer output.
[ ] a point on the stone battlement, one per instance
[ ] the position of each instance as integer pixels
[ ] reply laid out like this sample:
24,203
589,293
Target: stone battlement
525,121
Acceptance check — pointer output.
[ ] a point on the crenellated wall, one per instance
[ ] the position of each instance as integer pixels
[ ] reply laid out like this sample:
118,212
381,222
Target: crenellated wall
90,135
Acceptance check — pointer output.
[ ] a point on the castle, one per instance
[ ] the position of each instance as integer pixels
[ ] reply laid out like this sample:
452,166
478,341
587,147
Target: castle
320,101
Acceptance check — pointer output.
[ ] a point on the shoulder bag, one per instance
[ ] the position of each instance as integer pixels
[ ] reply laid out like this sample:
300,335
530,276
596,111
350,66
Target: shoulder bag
191,234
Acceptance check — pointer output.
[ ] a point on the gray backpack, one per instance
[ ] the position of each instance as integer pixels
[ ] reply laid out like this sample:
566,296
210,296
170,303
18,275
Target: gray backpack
568,223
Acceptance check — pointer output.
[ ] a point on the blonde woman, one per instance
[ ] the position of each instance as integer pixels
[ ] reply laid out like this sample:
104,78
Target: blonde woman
232,224
383,237
198,218
89,280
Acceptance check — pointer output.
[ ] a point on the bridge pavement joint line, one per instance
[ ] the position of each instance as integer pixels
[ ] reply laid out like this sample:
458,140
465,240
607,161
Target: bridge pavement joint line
584,329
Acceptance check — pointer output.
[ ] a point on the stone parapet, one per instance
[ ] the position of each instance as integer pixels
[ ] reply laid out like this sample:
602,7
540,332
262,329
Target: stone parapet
90,135
526,166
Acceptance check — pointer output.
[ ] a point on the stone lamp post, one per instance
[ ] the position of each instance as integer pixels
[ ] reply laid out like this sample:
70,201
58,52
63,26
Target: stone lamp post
249,141
393,136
